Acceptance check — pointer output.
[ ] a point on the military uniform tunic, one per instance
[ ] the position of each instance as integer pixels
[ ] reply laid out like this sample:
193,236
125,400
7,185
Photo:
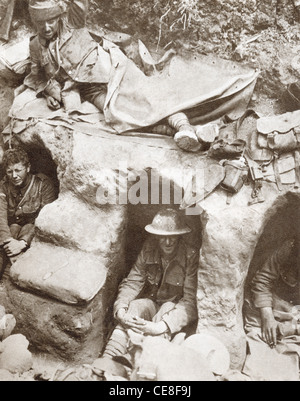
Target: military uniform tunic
17,210
280,276
72,60
174,281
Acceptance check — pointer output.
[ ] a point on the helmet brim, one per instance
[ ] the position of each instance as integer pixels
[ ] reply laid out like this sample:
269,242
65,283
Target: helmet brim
152,230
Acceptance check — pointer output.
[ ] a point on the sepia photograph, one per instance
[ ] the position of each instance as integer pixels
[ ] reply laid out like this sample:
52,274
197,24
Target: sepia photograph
149,193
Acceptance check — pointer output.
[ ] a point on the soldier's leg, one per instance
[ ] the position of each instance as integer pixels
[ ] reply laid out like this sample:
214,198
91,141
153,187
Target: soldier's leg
15,230
19,232
164,309
99,101
119,340
95,94
3,261
27,233
185,136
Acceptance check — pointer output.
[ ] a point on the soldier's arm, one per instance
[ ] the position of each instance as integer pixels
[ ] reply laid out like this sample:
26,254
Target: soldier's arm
27,234
5,233
48,192
131,286
48,195
262,286
263,289
185,312
36,80
77,13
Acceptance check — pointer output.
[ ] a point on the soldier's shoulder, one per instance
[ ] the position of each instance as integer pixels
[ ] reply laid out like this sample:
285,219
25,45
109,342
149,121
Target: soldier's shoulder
191,251
3,184
34,43
34,40
150,245
43,178
286,249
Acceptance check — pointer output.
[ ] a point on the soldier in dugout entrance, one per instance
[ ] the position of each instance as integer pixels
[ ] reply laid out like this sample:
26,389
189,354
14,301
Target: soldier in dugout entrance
22,196
158,298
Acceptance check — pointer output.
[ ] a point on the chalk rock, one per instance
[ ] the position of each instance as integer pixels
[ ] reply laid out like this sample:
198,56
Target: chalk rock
7,325
6,376
2,311
14,354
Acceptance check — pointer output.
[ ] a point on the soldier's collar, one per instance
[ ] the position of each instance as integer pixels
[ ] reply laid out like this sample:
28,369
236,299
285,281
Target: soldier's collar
64,34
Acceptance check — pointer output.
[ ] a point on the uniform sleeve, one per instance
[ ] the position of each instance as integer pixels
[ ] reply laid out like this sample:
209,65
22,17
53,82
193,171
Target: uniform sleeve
185,311
48,192
36,80
27,233
77,13
48,195
132,286
4,228
263,283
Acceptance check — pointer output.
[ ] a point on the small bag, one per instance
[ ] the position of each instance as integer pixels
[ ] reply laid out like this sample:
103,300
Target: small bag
236,174
223,150
280,134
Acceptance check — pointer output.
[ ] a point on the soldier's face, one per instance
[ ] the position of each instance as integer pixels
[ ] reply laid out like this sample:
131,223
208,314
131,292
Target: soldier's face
168,244
17,174
48,29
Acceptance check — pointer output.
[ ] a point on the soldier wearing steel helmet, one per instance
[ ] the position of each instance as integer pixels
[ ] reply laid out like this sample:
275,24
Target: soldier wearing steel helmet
159,295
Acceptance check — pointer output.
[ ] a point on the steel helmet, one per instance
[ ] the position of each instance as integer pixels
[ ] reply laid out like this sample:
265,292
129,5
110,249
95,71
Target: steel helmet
168,222
212,349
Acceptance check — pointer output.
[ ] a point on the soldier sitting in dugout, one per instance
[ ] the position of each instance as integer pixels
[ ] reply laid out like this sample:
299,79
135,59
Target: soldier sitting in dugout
22,196
158,298
272,316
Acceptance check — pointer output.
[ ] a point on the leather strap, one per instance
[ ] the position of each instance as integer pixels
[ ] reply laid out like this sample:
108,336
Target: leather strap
297,167
277,173
27,192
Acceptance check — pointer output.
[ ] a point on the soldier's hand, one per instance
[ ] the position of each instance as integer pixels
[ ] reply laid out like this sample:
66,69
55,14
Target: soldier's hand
146,327
14,247
121,315
52,103
269,327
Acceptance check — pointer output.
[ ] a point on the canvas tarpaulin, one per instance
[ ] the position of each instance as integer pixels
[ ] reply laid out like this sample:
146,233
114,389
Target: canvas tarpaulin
206,88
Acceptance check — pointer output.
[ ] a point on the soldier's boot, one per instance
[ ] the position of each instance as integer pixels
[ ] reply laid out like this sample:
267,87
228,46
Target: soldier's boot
185,136
117,344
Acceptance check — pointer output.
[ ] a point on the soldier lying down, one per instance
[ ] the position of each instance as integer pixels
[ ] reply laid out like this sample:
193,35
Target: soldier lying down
65,59
158,298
